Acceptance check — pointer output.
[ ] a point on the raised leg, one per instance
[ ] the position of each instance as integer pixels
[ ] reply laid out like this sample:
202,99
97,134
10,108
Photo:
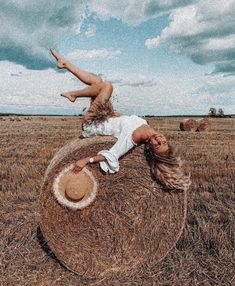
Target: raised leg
105,93
91,91
99,102
85,77
99,91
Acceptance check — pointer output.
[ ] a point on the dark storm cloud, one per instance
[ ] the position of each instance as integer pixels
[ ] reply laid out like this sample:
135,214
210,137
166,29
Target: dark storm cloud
154,7
29,28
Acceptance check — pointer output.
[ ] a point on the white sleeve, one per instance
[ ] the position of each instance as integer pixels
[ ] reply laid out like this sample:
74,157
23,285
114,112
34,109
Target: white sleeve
111,163
121,147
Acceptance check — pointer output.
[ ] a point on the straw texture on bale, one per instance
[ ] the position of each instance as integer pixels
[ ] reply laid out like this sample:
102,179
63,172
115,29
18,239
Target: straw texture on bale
189,125
129,227
204,125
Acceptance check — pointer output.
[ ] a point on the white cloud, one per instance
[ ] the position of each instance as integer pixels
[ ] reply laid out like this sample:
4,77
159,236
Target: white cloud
108,9
37,88
204,31
183,23
93,54
134,11
160,94
152,43
224,43
136,93
90,32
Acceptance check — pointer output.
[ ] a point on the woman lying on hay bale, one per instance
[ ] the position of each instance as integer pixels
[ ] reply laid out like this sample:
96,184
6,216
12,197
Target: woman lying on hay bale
100,119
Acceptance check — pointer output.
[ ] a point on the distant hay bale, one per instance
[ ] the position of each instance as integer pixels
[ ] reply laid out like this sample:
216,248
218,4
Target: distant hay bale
17,119
204,125
128,228
12,119
189,125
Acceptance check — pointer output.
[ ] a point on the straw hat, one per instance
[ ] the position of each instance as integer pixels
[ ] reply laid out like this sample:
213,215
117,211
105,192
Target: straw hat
75,190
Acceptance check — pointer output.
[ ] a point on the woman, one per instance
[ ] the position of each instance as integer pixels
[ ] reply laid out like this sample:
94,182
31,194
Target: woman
100,119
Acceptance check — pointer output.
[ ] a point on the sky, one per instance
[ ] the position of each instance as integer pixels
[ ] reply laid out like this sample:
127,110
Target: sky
163,57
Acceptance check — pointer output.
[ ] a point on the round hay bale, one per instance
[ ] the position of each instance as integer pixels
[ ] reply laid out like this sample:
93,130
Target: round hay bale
204,125
189,125
128,228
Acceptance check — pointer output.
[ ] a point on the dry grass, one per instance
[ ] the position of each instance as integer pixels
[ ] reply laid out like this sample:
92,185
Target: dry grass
204,255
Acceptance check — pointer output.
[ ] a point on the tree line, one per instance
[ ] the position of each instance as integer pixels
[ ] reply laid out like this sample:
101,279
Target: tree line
214,113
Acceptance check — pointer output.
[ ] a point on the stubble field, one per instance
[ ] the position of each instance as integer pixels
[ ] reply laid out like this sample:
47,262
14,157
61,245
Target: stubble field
204,255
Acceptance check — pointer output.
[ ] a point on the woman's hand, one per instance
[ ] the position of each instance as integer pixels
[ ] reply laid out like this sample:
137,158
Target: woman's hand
80,164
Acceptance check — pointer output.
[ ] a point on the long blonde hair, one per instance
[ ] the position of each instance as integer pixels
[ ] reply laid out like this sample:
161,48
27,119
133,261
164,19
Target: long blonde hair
98,112
167,169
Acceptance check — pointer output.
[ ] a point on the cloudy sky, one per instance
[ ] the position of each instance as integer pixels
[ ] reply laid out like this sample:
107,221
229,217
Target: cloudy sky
164,57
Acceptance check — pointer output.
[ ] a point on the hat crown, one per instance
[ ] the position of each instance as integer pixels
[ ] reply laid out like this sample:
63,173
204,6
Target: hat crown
75,189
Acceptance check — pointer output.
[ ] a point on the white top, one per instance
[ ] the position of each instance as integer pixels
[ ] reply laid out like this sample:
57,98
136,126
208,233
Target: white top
120,127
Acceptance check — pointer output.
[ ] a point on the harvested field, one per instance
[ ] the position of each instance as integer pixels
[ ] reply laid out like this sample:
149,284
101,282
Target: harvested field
204,254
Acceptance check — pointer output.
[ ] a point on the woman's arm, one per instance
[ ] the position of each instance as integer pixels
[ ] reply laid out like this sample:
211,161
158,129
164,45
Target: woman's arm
80,164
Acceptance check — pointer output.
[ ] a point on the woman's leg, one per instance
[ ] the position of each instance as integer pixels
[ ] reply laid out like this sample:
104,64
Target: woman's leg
91,91
105,93
99,91
99,102
84,76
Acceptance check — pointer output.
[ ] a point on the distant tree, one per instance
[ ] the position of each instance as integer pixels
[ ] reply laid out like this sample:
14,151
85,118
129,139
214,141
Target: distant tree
212,112
220,112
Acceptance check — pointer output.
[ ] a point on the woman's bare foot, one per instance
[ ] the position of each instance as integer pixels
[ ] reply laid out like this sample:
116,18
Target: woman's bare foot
68,95
61,62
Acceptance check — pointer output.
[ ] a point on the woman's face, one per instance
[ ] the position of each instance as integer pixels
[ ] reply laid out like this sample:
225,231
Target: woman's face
158,143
